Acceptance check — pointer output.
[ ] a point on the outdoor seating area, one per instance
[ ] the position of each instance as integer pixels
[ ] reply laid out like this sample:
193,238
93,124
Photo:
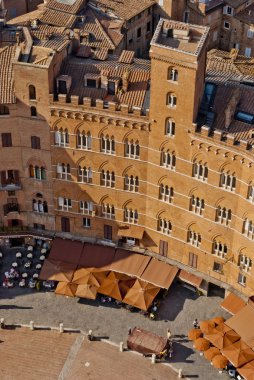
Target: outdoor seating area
20,267
228,345
84,270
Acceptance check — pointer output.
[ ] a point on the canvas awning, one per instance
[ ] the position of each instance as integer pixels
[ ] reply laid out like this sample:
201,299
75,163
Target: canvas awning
159,273
243,323
146,342
130,263
232,303
96,256
57,271
135,232
67,251
190,278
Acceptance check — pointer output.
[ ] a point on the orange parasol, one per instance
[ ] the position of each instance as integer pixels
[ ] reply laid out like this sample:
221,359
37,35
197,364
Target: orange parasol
83,276
218,320
86,291
141,295
110,285
219,361
194,334
201,344
238,353
126,285
223,328
66,289
206,326
247,370
211,353
222,340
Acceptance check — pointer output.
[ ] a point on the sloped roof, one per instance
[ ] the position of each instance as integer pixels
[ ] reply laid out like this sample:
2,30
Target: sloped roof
7,54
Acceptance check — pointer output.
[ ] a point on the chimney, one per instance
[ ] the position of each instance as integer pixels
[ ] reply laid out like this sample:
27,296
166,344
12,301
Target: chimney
104,79
125,79
249,13
231,107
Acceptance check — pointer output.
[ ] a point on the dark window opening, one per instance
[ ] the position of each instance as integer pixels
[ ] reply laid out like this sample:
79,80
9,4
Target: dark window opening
91,83
32,92
33,111
62,88
111,88
4,110
245,117
139,33
6,140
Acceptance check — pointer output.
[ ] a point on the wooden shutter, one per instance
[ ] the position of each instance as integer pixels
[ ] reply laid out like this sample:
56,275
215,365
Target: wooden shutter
193,260
16,176
3,178
163,248
65,222
107,232
4,142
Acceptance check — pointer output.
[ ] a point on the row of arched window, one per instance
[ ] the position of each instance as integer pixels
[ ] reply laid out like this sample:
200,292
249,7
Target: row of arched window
37,172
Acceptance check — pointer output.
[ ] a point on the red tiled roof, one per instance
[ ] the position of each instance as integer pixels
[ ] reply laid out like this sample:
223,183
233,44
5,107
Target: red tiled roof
61,6
124,9
127,56
7,54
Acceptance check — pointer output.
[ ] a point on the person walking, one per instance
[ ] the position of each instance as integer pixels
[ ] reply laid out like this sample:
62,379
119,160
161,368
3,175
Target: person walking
195,324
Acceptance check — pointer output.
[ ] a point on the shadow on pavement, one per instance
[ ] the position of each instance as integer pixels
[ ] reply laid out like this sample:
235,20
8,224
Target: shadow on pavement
14,307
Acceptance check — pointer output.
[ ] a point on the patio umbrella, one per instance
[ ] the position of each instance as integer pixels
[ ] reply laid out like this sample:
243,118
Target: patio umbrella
219,361
194,334
247,370
86,291
222,340
57,271
211,353
218,320
201,344
238,353
141,295
206,326
126,285
99,274
66,289
223,328
110,285
83,276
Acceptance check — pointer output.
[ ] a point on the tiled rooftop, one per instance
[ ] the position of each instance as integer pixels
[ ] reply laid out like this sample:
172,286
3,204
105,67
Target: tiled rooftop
247,15
179,36
235,3
69,6
125,9
58,18
138,77
7,54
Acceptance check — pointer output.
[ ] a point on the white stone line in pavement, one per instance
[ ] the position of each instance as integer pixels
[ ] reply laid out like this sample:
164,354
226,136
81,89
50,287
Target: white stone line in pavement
71,357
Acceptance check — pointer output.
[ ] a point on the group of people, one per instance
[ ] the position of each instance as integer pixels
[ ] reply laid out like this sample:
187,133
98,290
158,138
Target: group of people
9,277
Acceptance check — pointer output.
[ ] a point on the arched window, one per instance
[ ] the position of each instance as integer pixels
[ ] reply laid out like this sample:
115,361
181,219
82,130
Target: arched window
197,205
33,111
62,137
108,211
228,181
248,229
223,215
37,172
166,193
172,74
250,194
220,249
171,100
170,127
86,207
130,215
194,238
131,183
244,262
108,178
32,92
85,174
63,171
84,140
200,171
132,149
40,205
168,159
107,144
164,226
64,203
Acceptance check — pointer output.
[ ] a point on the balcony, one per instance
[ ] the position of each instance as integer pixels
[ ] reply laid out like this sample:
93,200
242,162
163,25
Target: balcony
10,180
11,207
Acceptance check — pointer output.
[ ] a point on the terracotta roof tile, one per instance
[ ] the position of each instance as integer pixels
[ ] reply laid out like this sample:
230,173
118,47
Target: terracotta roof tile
64,7
127,56
58,18
7,54
124,9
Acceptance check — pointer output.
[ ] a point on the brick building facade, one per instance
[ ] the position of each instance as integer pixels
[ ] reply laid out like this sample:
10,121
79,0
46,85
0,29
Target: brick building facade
154,155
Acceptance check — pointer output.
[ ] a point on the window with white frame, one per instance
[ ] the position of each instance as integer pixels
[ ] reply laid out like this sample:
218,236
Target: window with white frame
131,183
224,215
108,211
220,249
241,279
130,215
171,100
218,267
245,263
250,33
84,140
164,226
86,207
251,193
226,25
197,205
227,10
108,144
87,222
37,172
166,193
61,137
248,229
64,203
168,159
40,206
63,171
194,238
108,178
228,181
170,127
172,74
200,171
132,149
85,174
247,52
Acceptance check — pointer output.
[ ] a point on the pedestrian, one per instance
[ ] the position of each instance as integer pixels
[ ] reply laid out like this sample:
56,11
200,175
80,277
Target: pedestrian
38,286
195,324
169,335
